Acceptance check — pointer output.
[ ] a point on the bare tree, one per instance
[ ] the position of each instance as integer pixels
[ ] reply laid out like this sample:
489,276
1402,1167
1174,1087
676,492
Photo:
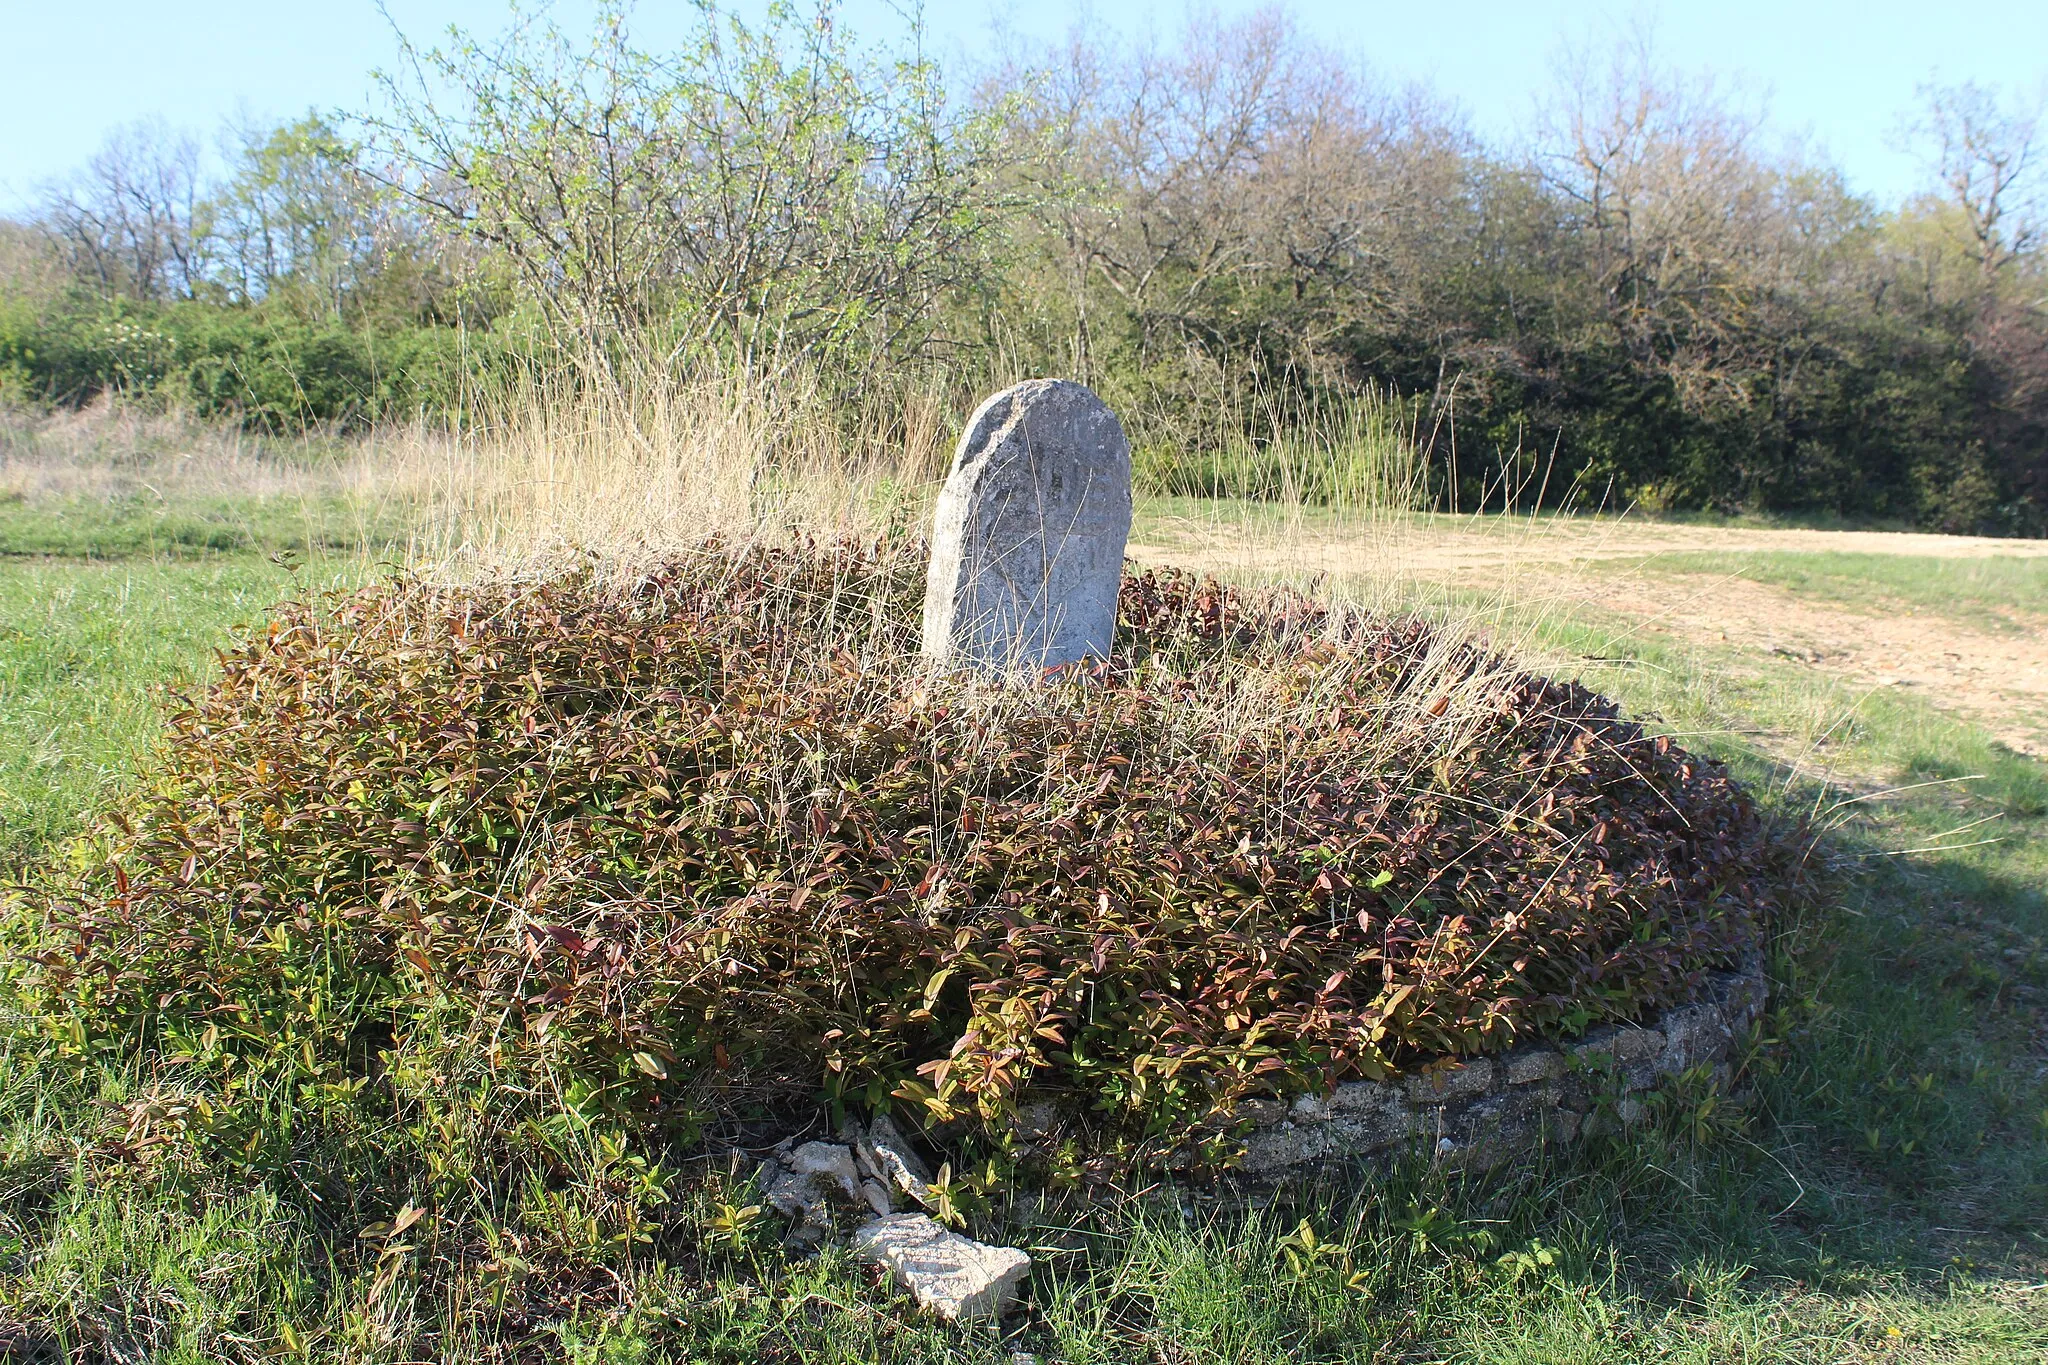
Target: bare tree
1985,153
133,222
1244,161
1689,236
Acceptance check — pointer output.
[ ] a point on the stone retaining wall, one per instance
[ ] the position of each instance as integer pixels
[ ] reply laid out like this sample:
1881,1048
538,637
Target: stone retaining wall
1490,1109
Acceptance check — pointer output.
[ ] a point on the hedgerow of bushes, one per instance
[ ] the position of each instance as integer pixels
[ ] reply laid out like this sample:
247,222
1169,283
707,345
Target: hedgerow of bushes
680,853
265,368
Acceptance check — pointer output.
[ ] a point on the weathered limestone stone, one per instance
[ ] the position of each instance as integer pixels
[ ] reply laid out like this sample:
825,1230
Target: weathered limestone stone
1634,1043
1490,1131
1362,1097
1693,1034
1028,539
889,1159
1644,1058
1366,1116
1528,1065
1455,1082
1492,1110
959,1279
802,1185
827,1165
1270,1151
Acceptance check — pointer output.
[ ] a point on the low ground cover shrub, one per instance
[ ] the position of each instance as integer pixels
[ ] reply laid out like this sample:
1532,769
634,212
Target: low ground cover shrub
508,861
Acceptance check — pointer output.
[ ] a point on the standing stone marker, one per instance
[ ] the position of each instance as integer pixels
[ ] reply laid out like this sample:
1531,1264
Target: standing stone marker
1028,539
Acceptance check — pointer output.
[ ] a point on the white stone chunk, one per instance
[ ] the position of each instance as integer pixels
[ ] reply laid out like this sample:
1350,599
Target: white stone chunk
828,1163
808,1180
1028,538
956,1277
892,1160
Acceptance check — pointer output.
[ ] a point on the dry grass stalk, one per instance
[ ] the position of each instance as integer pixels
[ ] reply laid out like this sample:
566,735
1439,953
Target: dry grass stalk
114,450
619,481
616,480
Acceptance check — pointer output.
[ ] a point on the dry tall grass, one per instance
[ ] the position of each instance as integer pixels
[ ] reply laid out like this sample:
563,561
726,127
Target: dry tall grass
115,450
617,481
614,481
621,479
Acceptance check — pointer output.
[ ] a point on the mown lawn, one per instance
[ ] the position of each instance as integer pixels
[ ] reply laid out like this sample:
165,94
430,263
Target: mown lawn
1878,1192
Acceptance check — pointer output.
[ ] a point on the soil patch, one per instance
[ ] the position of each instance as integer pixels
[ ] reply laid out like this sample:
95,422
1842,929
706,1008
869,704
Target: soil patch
1998,680
1993,672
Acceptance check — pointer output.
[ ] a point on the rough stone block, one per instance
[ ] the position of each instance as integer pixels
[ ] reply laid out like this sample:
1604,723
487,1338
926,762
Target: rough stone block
1633,1043
1491,1131
1446,1085
1365,1097
1368,1118
959,1279
1527,1065
1029,533
1595,1048
1692,1034
1746,999
1273,1150
1308,1109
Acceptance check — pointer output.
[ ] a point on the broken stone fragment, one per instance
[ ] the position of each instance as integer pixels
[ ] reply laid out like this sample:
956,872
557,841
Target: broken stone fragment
955,1277
828,1163
891,1160
804,1183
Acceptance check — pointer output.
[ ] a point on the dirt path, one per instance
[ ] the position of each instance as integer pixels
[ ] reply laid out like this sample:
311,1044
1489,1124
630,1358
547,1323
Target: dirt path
1437,545
1999,680
1992,671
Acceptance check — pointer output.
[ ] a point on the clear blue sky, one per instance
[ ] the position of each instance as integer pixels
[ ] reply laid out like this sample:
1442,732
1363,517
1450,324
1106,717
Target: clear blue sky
1837,71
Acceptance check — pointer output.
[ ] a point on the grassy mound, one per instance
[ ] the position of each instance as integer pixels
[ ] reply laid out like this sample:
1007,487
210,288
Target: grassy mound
454,871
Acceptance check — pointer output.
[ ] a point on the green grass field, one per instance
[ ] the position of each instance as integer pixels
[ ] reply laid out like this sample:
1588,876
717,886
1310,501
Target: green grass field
1878,1192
